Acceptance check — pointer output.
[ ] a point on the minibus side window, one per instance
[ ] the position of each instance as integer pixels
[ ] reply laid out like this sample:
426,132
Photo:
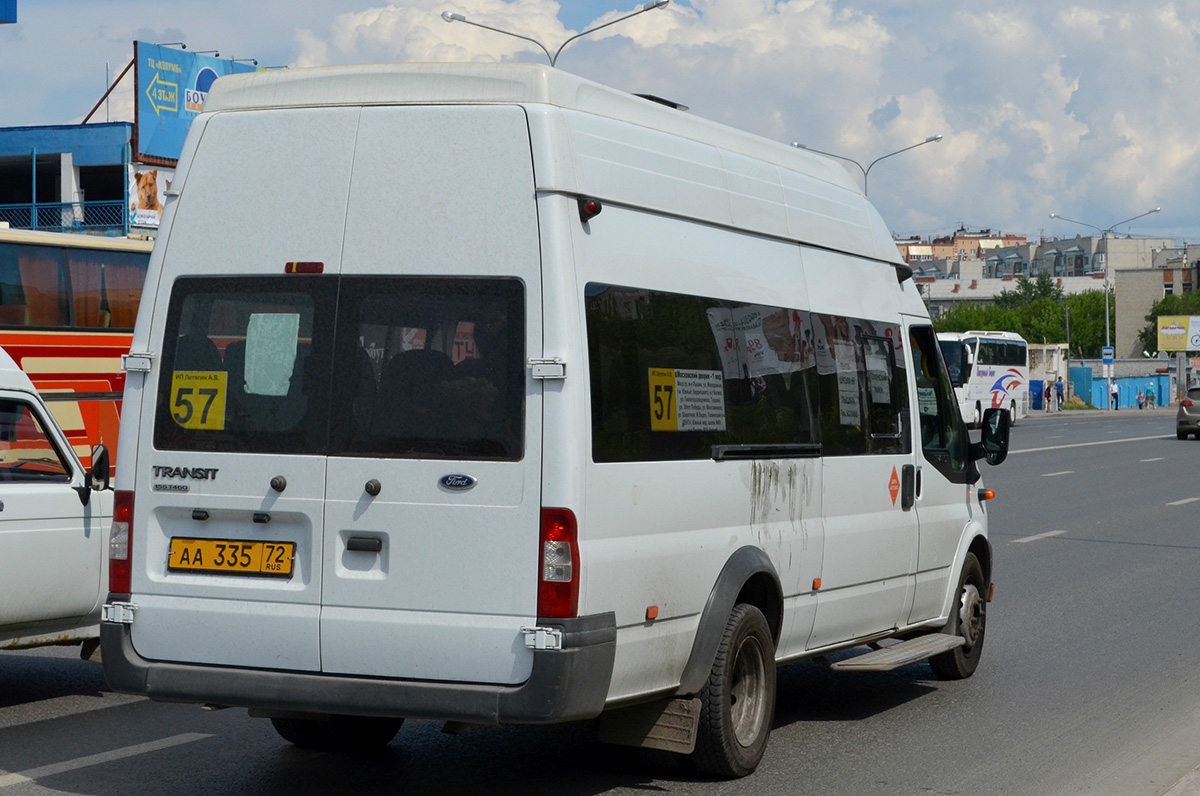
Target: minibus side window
680,377
943,434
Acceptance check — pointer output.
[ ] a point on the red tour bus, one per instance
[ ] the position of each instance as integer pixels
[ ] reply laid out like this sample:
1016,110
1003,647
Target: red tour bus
68,303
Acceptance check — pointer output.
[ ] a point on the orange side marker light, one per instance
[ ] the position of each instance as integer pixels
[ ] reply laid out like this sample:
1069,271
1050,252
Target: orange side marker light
652,613
816,584
986,494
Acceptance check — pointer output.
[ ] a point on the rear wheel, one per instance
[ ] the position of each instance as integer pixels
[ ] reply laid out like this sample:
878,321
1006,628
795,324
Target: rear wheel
1184,435
969,620
345,733
738,702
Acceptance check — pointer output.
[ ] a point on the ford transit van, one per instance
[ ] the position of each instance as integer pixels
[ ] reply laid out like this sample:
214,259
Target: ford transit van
507,397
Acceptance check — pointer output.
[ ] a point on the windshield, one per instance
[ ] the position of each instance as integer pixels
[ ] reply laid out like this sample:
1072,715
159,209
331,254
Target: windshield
955,354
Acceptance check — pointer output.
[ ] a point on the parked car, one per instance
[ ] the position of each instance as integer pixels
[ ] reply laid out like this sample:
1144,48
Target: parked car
1187,419
53,529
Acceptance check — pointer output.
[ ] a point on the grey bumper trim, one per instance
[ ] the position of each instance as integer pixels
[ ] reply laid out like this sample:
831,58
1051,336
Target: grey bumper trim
565,685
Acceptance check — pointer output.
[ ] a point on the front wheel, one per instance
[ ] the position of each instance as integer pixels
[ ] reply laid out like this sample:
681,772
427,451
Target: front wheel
1012,415
969,620
737,704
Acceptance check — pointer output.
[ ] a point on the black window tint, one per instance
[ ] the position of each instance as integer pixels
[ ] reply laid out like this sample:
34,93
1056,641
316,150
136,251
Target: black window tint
943,434
26,451
672,375
430,368
862,396
246,365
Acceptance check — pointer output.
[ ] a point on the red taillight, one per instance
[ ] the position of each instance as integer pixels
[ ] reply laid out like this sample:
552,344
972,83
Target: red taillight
1186,402
120,541
558,580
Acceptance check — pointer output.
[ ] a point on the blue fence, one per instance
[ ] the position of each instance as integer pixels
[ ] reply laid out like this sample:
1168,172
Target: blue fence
1094,389
68,216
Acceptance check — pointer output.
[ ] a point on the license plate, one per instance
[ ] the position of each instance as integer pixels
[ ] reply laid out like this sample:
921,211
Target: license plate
232,556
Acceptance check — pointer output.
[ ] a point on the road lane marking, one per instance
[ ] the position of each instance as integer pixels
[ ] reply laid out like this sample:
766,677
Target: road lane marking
1155,459
1181,502
1061,472
61,707
1087,444
1034,538
32,774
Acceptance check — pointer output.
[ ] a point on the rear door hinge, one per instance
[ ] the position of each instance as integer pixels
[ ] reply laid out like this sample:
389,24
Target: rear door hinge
542,638
554,368
119,613
136,363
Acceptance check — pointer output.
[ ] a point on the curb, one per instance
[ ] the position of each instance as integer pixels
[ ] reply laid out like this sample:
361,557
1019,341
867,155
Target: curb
1188,786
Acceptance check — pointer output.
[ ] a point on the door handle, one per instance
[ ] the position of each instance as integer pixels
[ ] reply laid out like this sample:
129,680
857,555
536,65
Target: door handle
364,544
908,486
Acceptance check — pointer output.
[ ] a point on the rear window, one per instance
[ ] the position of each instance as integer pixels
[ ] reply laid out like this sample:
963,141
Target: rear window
1194,394
359,366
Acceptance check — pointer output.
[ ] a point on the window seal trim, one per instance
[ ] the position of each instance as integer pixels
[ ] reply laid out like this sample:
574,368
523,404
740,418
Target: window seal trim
799,450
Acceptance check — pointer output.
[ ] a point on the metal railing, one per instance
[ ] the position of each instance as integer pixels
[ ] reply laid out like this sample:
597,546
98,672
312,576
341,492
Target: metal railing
108,216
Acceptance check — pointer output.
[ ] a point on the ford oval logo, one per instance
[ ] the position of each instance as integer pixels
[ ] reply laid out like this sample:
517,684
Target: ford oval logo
457,482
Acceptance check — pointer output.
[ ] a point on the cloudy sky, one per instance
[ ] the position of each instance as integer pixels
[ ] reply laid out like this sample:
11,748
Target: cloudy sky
1090,109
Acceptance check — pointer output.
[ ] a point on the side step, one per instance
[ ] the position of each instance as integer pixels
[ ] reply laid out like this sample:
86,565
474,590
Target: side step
902,654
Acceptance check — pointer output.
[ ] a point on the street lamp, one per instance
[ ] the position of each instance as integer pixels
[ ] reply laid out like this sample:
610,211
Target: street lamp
930,140
451,17
1104,235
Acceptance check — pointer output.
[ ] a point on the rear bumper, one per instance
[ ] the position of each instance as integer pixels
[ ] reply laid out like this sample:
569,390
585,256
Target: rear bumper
565,685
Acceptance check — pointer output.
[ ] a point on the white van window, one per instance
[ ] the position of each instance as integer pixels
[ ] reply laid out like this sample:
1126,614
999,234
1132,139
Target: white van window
430,367
673,376
26,451
943,434
218,391
403,367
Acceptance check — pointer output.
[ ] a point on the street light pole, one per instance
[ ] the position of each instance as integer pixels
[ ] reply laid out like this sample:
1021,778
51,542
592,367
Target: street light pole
1104,236
451,17
865,172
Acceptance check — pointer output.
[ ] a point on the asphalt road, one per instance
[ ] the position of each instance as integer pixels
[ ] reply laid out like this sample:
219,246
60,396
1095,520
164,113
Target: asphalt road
1089,682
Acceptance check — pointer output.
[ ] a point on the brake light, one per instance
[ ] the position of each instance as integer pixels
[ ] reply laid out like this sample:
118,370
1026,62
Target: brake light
120,541
558,584
1186,402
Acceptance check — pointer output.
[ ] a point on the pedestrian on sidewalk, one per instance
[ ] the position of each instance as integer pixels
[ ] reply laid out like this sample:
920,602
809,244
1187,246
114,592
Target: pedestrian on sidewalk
1115,393
1150,396
1058,392
1141,399
1046,396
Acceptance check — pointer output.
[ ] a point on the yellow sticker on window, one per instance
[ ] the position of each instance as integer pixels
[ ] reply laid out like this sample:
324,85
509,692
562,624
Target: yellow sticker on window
686,400
198,399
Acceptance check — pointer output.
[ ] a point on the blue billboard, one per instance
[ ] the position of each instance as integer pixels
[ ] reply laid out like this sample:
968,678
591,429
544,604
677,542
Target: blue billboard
171,88
8,11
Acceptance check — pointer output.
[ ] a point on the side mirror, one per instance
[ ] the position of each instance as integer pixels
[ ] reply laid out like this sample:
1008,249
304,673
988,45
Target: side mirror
99,475
995,435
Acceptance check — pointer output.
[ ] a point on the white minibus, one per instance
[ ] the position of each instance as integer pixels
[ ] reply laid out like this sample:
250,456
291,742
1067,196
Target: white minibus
514,398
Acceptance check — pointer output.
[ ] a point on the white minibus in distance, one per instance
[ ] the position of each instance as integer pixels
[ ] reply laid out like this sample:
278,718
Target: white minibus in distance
988,369
519,399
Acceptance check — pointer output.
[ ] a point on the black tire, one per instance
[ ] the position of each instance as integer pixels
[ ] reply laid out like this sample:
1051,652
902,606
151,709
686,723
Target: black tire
305,733
738,701
1012,415
1184,435
969,620
344,733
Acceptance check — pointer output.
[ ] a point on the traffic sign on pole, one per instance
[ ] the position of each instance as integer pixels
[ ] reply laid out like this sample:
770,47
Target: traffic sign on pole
1108,353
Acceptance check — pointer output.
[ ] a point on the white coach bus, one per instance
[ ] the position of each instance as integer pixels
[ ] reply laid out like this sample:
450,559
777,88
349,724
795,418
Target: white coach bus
520,399
988,370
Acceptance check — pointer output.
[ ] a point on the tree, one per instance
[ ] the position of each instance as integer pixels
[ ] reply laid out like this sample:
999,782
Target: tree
1037,310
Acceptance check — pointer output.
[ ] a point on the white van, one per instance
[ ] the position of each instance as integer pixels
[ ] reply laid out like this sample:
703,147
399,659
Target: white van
53,532
506,397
